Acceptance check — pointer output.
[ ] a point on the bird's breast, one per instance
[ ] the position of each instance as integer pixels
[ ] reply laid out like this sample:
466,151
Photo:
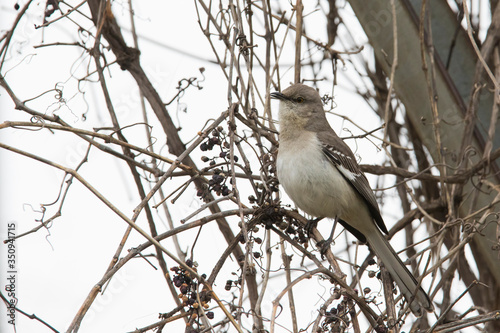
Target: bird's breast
311,180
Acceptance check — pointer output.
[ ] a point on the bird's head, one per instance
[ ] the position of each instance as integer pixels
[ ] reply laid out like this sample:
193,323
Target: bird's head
299,104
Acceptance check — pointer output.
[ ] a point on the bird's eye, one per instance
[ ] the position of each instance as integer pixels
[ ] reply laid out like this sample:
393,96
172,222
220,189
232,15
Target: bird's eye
300,99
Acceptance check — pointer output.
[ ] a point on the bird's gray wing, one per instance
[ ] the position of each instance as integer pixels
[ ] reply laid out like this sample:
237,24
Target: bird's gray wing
342,157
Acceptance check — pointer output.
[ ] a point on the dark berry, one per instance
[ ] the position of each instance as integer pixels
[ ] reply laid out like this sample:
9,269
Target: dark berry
204,147
381,329
184,288
256,255
205,159
229,283
222,154
242,239
236,158
210,315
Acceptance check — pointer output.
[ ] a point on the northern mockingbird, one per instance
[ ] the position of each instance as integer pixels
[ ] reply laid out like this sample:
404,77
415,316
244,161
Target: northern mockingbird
320,174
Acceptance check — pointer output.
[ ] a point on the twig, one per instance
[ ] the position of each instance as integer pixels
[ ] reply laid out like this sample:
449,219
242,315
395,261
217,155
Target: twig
468,322
488,44
30,316
291,302
448,309
298,38
394,65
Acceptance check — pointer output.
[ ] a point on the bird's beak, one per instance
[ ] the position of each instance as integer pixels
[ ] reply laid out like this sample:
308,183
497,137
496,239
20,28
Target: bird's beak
278,95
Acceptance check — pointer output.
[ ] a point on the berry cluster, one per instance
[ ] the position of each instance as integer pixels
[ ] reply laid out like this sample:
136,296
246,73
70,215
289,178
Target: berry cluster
218,181
187,286
262,193
337,318
210,143
216,184
272,214
295,230
231,283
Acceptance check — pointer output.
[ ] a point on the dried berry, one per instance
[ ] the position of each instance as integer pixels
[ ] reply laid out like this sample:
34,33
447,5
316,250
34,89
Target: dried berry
184,288
229,284
283,225
242,239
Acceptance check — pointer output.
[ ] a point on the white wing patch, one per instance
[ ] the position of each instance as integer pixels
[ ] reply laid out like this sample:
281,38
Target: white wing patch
348,174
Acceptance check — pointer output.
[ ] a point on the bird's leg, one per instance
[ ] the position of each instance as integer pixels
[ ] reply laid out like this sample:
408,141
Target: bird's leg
324,245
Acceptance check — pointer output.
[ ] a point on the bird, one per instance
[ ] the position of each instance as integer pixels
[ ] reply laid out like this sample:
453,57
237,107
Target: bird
320,174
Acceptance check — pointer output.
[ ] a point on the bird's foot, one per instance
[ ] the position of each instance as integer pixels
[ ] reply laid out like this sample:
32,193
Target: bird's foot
311,224
323,246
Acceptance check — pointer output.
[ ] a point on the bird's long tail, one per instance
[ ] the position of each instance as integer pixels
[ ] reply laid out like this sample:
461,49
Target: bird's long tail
401,275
